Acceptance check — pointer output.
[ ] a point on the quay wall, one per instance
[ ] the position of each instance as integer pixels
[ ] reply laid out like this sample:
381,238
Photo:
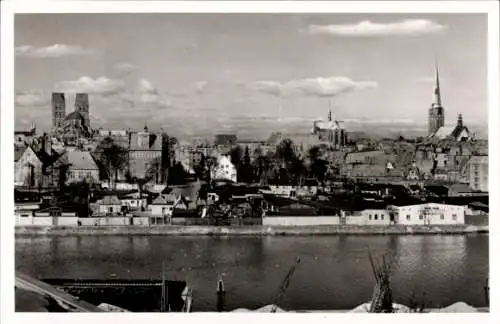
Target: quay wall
247,230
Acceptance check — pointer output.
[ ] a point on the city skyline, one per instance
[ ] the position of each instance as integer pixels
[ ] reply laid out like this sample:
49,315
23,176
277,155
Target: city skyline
252,73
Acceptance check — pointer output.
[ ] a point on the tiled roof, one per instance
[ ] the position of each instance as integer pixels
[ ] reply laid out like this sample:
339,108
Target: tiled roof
363,157
18,152
80,160
153,141
457,130
164,200
74,115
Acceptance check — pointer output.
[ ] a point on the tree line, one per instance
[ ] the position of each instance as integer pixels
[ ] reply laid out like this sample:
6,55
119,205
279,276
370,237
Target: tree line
282,166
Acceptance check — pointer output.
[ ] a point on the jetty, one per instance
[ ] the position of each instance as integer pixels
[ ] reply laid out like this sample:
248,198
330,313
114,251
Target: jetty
65,300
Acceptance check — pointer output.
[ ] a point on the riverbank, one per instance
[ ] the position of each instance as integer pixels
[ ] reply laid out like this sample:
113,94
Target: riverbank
255,230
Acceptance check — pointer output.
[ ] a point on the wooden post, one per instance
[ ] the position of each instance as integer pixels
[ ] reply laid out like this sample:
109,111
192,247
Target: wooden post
163,289
221,294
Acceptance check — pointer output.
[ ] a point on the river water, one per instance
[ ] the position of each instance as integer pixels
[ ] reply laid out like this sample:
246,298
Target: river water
334,272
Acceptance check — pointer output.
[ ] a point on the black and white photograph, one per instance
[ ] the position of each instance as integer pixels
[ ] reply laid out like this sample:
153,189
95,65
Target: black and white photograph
253,161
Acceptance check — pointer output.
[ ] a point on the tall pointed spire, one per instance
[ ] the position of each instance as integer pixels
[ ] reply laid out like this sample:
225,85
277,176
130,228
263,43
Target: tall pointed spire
330,110
437,90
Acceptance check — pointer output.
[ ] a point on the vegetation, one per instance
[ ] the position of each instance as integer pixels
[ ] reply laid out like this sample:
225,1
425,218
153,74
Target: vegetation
114,157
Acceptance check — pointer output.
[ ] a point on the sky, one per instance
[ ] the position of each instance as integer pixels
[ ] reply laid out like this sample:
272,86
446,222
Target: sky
252,74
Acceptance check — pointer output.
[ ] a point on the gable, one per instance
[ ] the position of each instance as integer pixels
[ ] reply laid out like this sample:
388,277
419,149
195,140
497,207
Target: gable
29,157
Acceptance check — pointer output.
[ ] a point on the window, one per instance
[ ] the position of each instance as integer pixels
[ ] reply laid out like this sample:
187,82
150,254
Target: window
110,209
442,216
375,217
163,209
382,216
408,217
454,217
370,217
421,217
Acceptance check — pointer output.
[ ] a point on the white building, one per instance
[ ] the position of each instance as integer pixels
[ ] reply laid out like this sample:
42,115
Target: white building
135,201
224,169
110,205
162,209
476,173
282,191
429,214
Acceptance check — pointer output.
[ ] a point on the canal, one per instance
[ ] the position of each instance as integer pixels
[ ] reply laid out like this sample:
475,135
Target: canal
334,272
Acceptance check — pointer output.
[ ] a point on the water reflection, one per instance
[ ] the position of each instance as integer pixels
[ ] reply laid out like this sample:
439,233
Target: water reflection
334,273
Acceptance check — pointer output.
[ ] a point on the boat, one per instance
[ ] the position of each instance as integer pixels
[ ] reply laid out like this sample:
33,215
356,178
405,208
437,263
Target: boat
129,295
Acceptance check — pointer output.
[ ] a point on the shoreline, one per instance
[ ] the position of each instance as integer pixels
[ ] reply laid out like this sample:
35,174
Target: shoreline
255,230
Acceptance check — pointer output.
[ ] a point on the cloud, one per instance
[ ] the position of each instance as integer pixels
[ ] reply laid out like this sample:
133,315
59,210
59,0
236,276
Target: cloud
381,121
146,96
200,86
56,50
123,69
101,85
32,99
320,87
408,27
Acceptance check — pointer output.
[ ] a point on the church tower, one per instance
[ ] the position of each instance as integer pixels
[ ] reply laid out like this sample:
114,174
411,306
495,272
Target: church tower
82,106
58,109
436,112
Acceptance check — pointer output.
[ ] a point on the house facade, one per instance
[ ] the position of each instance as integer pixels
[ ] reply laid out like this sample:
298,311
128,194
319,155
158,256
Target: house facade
428,214
144,149
110,205
162,209
28,169
81,166
476,173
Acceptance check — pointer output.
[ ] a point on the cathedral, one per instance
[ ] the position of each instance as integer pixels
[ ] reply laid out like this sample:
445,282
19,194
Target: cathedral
436,123
75,125
331,131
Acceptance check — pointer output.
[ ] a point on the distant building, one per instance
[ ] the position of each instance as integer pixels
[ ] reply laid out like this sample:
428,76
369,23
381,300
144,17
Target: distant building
82,106
34,165
24,137
224,170
331,131
428,214
145,148
110,205
58,109
75,128
477,173
162,209
81,166
28,169
225,139
458,133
